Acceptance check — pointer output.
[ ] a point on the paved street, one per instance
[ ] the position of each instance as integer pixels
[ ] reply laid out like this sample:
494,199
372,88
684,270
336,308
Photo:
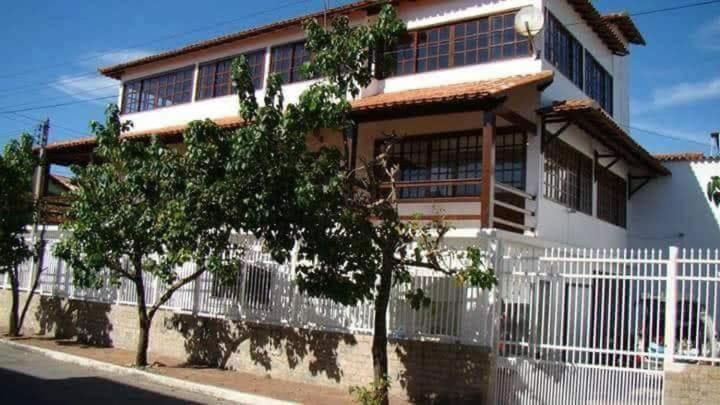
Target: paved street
31,378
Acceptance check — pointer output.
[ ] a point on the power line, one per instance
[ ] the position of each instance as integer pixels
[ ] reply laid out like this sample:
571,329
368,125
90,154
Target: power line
55,124
662,135
159,39
56,105
64,96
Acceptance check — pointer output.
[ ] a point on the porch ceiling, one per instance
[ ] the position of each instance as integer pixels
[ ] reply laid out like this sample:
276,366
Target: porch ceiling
590,117
442,99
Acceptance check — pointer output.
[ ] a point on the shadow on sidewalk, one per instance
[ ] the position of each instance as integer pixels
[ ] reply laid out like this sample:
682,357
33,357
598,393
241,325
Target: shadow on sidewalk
20,388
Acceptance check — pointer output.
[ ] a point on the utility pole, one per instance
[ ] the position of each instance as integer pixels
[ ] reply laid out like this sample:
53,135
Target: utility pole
715,146
39,184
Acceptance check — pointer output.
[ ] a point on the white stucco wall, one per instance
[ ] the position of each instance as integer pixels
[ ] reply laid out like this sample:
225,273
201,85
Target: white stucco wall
618,66
675,210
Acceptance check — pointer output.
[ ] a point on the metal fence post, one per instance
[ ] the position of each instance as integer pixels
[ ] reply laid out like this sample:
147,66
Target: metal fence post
671,306
197,291
497,246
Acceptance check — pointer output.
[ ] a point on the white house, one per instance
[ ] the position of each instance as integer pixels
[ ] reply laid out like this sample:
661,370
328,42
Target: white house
675,209
545,122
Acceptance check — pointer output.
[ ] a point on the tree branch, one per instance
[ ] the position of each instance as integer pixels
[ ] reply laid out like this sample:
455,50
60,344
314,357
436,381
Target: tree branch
170,291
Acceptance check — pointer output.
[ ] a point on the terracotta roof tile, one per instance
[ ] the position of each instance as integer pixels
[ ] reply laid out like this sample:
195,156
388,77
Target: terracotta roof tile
443,94
686,157
587,114
627,26
595,20
450,93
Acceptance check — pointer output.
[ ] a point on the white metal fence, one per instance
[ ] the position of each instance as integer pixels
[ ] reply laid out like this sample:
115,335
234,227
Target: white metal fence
265,291
609,321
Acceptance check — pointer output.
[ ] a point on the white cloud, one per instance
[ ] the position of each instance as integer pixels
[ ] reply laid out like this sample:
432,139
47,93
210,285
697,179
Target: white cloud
87,87
679,94
708,35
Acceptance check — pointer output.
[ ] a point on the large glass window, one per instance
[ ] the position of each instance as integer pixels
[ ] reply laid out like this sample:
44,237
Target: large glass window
467,43
611,197
215,78
598,83
158,91
563,51
454,157
568,176
287,61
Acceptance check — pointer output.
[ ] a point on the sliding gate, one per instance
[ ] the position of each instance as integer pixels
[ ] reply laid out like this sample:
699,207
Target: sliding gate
580,327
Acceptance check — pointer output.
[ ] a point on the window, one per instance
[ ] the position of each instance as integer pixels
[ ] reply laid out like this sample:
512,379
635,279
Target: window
598,83
467,43
215,78
611,197
286,60
568,177
563,51
159,91
456,156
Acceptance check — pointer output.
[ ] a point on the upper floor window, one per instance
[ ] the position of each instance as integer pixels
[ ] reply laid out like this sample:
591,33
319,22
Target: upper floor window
568,176
158,91
452,158
611,197
563,51
471,42
287,60
215,78
598,83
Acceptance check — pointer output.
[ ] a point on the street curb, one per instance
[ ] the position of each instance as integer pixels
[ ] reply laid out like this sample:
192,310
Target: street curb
197,388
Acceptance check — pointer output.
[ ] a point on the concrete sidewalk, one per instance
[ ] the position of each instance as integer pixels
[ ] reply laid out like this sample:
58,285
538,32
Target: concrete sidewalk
172,373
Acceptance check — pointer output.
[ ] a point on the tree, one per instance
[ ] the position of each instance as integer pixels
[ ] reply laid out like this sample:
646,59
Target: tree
152,207
17,210
713,190
352,243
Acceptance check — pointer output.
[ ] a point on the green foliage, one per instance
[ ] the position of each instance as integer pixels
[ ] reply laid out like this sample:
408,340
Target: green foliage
17,208
713,190
370,395
149,204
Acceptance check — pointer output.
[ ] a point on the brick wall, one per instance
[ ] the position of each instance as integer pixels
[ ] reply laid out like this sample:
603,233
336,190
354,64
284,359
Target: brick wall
693,384
424,372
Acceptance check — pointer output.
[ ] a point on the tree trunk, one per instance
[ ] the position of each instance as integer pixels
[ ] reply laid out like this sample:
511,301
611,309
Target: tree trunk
39,267
379,347
15,306
141,359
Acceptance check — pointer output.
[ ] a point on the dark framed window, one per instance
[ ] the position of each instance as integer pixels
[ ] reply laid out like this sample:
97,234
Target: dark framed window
470,42
215,78
568,177
456,156
287,60
158,91
598,83
563,51
611,197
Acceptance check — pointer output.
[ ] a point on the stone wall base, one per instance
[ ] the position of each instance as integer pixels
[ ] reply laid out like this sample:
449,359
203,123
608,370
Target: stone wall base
423,372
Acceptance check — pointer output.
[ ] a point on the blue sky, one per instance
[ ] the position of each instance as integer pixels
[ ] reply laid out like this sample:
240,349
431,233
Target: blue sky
51,49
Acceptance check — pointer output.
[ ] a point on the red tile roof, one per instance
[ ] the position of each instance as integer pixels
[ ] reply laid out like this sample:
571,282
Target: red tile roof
595,20
588,115
435,95
686,157
627,26
450,93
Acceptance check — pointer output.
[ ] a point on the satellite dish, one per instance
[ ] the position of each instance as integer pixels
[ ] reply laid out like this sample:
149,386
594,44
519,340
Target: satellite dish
529,21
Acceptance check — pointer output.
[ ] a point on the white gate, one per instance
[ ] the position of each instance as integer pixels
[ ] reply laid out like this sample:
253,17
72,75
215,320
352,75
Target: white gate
581,327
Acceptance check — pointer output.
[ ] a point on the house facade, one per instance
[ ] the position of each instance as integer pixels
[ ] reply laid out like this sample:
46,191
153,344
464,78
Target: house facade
499,131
